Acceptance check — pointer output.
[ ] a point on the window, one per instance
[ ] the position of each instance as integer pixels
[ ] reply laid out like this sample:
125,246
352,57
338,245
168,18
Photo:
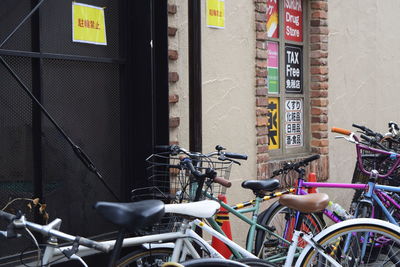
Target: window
288,109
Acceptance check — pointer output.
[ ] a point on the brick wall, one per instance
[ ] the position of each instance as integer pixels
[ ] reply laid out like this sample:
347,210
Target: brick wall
173,76
318,41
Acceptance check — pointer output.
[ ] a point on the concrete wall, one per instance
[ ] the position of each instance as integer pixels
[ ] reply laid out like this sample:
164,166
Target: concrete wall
228,90
228,94
363,74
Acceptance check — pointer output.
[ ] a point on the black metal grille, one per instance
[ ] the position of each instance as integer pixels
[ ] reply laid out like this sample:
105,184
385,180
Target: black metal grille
82,96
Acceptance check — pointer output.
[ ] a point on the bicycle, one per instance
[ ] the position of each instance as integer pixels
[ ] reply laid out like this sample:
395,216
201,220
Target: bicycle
145,212
192,190
129,217
278,214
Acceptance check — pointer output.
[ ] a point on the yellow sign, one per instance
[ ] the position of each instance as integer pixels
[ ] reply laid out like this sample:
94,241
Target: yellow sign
273,123
88,24
216,13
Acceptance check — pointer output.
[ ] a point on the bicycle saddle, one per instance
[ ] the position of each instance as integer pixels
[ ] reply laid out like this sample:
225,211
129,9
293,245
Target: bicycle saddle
133,215
200,209
256,185
305,203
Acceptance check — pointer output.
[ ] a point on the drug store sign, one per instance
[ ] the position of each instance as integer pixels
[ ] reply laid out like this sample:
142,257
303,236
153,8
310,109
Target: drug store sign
294,122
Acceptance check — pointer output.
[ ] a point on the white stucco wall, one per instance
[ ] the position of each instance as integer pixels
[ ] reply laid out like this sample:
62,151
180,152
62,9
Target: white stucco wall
364,80
228,73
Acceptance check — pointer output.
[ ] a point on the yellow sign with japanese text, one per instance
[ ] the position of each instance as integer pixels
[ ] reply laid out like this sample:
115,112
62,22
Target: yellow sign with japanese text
273,123
88,24
215,13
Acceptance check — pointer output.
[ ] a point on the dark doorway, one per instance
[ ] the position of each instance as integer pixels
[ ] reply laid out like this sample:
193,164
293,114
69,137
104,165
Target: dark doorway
110,100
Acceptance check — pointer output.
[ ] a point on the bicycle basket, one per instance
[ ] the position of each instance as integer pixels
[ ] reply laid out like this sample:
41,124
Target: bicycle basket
180,185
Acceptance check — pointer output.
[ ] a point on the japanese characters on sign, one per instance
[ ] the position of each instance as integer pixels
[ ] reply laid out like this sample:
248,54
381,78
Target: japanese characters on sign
272,19
293,69
273,69
88,24
215,12
273,123
293,20
294,122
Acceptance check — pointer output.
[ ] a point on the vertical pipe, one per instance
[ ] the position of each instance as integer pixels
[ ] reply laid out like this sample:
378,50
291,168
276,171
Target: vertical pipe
195,103
36,64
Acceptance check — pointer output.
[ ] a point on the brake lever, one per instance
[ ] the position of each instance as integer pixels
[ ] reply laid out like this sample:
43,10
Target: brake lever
349,138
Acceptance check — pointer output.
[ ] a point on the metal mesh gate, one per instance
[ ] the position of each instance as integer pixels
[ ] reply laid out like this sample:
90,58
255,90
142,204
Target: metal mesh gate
80,87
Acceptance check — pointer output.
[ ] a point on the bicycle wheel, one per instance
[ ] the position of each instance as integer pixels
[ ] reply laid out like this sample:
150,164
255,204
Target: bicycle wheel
256,262
344,243
144,257
208,262
281,220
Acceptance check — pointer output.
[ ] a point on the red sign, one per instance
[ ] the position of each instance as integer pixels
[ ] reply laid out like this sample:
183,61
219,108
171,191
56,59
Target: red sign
272,18
293,20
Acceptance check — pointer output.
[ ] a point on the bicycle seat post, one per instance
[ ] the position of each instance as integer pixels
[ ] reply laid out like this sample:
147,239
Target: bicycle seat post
117,247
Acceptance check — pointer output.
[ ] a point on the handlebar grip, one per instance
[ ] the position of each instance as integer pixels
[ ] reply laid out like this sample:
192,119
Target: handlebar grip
366,138
311,158
340,130
235,156
358,126
222,181
7,216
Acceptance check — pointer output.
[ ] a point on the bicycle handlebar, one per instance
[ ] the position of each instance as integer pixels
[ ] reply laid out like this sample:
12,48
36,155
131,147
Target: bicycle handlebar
235,155
222,181
341,131
295,166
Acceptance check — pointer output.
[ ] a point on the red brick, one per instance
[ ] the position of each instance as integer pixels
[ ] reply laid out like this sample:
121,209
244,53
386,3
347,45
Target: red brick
319,70
173,77
319,5
318,22
319,119
320,150
171,9
319,30
261,72
262,140
260,63
261,131
319,78
319,127
319,62
262,54
320,14
173,98
172,31
320,143
261,7
261,111
261,81
174,122
320,135
319,85
261,45
261,36
172,54
318,111
261,91
261,17
318,94
261,121
261,26
318,54
262,149
319,102
318,38
261,101
319,46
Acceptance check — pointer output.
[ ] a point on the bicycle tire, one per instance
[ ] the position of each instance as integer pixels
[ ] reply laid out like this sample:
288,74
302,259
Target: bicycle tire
277,216
151,256
381,234
208,262
256,262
